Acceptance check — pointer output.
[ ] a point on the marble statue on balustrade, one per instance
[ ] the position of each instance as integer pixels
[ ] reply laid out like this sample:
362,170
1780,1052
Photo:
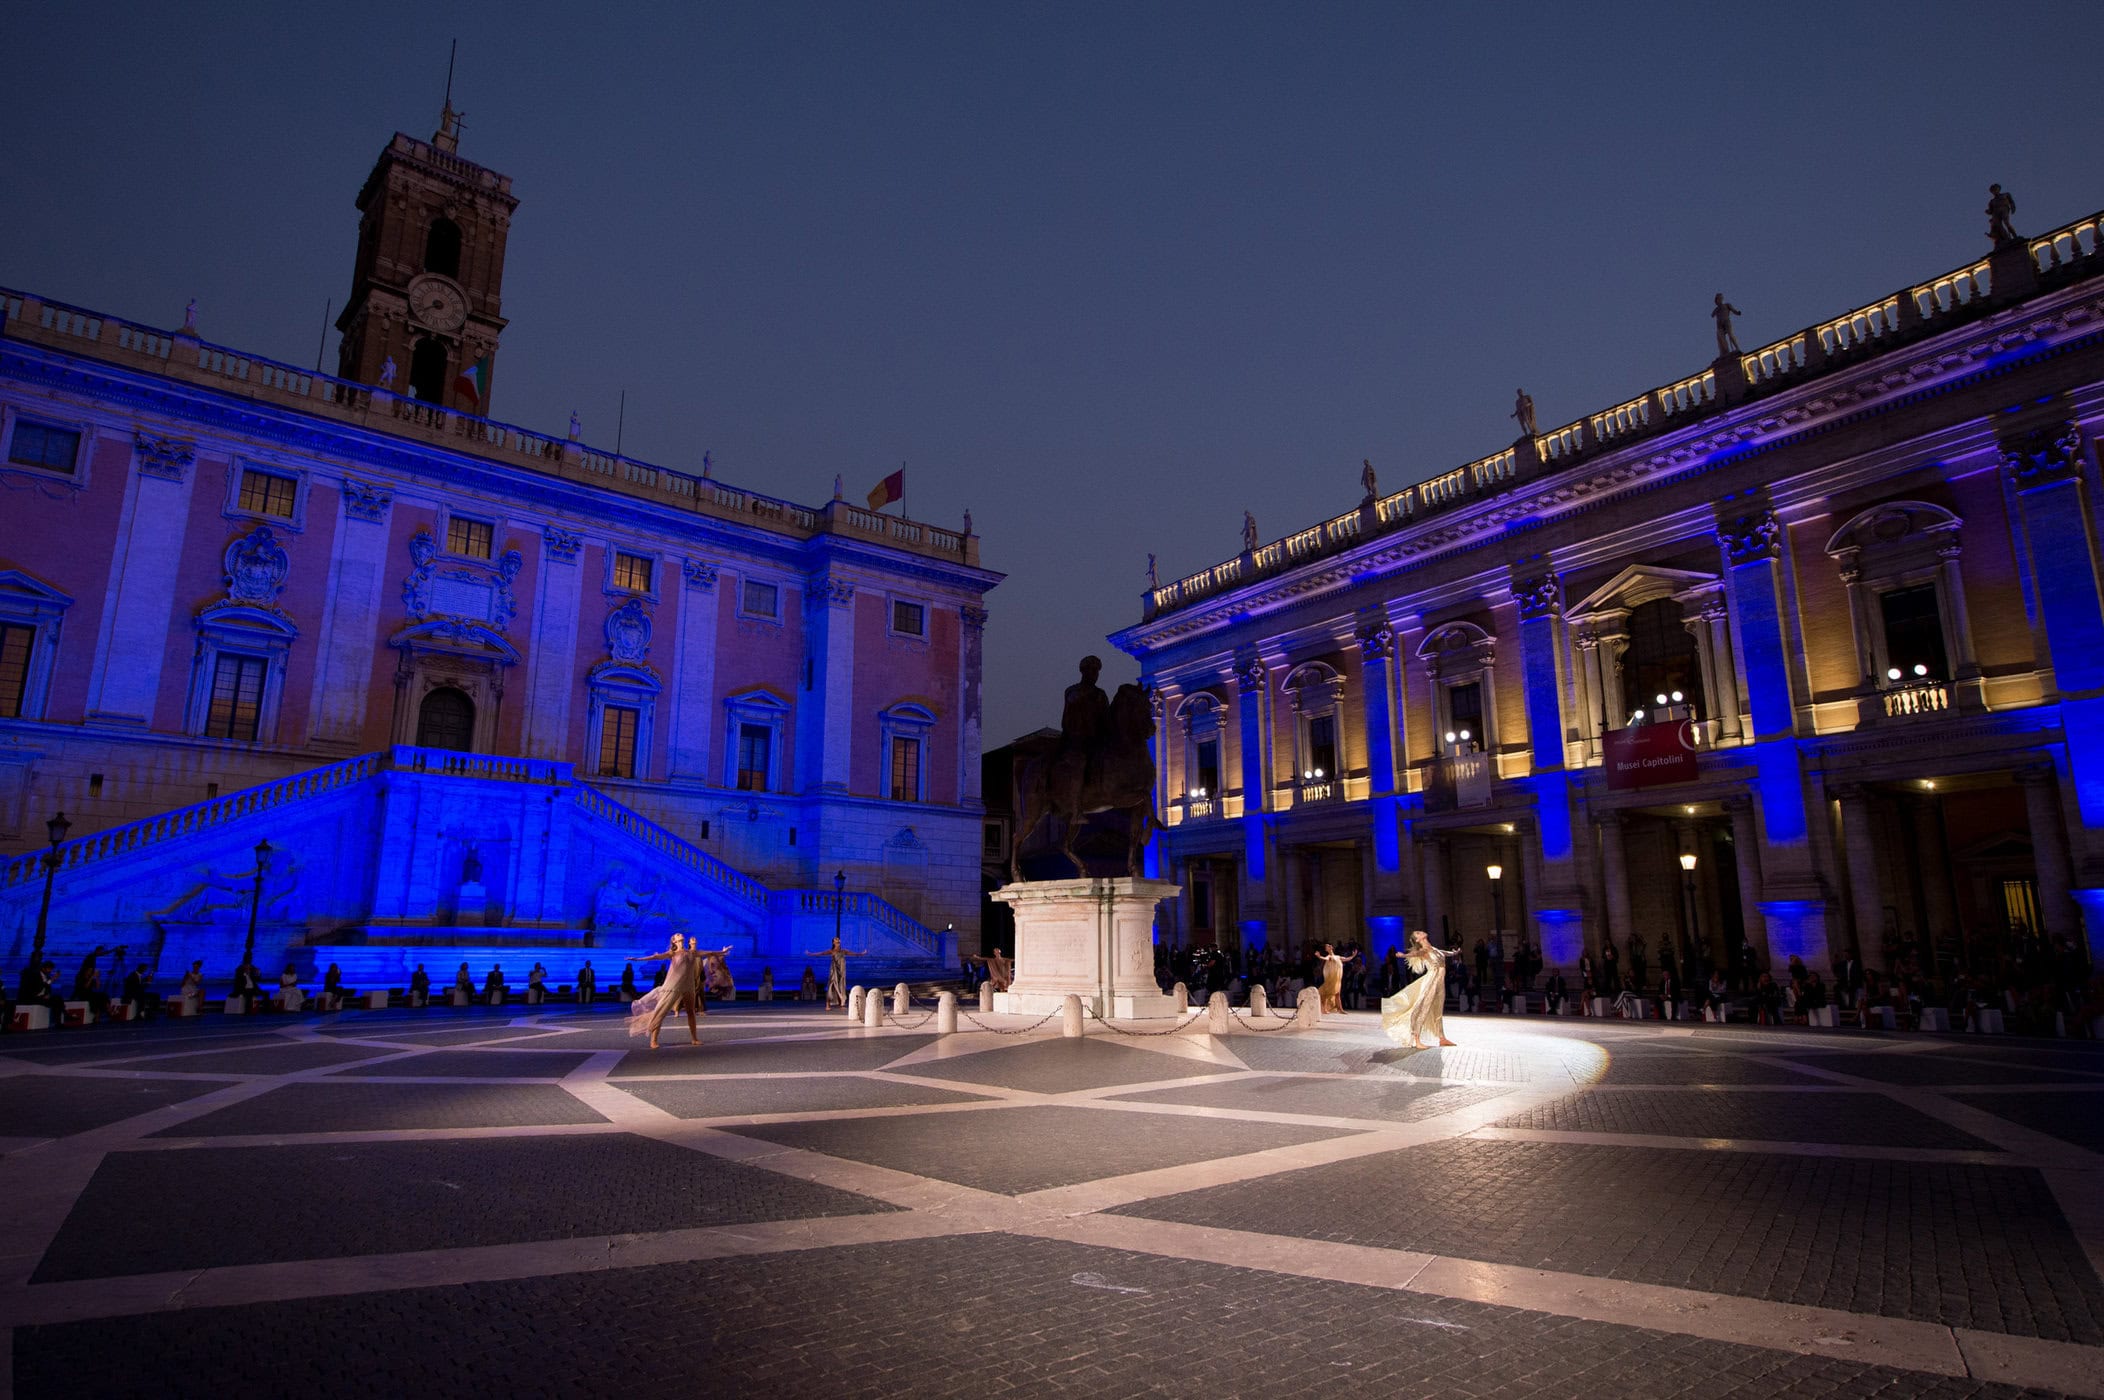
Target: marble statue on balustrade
2001,216
190,312
1101,762
1154,578
1249,531
1727,338
388,371
1523,412
1368,480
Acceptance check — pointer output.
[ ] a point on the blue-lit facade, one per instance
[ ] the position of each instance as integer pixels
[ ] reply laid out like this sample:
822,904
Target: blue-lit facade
1805,649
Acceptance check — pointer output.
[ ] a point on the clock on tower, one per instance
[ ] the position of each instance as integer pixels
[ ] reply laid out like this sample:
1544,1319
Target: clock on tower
430,265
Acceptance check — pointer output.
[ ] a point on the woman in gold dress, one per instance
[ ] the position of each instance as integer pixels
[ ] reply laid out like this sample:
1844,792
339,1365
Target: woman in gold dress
681,990
1333,978
1417,1011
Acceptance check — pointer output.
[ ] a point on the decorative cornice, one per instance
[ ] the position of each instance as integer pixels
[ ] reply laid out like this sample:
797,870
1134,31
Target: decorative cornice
1752,538
1377,644
1540,596
2043,457
973,616
699,573
562,545
363,500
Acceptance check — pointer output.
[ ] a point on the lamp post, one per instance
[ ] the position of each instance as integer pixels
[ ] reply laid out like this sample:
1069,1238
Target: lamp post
255,903
1692,928
1497,899
56,828
839,884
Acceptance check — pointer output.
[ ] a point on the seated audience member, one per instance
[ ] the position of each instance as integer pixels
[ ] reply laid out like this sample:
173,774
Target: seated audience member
587,984
193,986
290,997
138,990
493,989
40,988
97,999
628,983
419,987
247,988
766,992
1768,1001
332,992
464,983
1553,990
536,985
807,990
1719,989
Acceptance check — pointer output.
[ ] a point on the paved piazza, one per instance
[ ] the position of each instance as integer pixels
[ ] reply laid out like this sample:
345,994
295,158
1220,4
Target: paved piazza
491,1202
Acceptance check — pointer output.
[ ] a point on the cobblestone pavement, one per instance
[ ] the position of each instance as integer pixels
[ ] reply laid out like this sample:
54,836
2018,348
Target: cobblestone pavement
524,1201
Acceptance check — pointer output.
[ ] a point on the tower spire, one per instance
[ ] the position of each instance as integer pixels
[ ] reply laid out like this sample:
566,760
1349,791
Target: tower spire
447,137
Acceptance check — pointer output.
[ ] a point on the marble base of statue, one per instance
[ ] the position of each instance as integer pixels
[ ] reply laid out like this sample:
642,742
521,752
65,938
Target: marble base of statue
1091,938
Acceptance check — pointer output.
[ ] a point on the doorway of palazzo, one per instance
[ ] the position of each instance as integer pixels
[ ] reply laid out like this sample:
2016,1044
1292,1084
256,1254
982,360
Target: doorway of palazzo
446,720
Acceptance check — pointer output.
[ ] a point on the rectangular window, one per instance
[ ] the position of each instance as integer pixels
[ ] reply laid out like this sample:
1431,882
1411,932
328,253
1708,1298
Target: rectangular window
1209,767
473,538
760,600
2020,905
990,840
237,698
1465,709
36,445
617,742
1913,634
14,669
267,493
1322,745
631,572
754,745
905,770
909,618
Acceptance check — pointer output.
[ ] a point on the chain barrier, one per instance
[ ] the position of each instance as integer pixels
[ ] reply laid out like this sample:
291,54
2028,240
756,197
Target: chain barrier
1022,1030
1247,1019
1184,1023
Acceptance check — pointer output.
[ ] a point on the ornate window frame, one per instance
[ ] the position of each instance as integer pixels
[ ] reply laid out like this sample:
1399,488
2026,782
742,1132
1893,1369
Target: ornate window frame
776,618
300,477
1906,544
27,602
905,719
1317,691
1455,654
1201,717
758,706
656,559
1600,631
10,416
618,683
892,603
499,534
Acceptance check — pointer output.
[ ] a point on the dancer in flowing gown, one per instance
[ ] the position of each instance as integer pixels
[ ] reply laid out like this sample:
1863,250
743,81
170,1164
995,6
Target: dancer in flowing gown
716,979
1333,977
836,977
1417,1011
681,990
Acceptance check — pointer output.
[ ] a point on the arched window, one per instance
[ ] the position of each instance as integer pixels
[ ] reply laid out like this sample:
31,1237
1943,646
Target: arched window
1662,658
427,370
442,248
446,720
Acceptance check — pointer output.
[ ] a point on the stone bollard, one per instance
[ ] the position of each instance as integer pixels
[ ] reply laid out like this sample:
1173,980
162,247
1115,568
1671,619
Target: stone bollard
946,1014
1070,1016
854,1003
873,1010
1182,994
986,998
1259,1000
901,999
1218,1019
1307,1010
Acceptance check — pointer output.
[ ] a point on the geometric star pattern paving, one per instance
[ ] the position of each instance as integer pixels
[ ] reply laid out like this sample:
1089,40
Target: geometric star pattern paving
527,1204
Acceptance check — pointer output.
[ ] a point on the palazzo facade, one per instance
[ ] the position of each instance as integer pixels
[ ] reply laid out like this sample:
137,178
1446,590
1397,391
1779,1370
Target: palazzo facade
465,678
1805,648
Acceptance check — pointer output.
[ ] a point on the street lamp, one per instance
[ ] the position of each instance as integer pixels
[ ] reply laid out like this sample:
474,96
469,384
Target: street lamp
255,902
839,884
57,827
1687,883
1497,899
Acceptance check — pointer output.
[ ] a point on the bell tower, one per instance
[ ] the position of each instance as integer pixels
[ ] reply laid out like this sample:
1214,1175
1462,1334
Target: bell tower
424,292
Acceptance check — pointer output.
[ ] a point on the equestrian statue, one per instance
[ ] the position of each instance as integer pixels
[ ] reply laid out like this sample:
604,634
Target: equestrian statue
1100,762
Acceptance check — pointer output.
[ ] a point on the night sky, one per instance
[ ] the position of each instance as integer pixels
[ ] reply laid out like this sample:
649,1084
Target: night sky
1105,276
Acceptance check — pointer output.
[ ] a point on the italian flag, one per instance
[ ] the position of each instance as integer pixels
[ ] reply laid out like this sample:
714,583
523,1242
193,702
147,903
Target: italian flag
891,488
473,380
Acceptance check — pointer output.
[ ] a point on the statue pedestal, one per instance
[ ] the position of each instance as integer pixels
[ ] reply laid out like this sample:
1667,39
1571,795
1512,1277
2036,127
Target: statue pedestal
472,906
1088,938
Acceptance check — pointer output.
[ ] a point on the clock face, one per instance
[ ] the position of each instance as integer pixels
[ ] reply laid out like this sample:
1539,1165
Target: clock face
438,303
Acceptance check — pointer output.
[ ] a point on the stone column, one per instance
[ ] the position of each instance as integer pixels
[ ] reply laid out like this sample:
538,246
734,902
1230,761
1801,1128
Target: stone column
825,724
351,619
1614,878
971,638
1965,665
1867,893
1933,859
1613,703
551,655
1724,702
142,591
1592,699
1540,599
2049,856
1746,854
1376,655
2044,468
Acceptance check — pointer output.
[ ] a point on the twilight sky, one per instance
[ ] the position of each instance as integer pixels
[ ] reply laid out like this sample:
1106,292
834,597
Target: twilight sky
1106,275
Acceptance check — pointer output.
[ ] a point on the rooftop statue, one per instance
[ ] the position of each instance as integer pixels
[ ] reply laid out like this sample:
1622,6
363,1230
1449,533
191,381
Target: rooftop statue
1727,338
2001,215
1154,579
1367,479
1249,530
1099,763
1523,410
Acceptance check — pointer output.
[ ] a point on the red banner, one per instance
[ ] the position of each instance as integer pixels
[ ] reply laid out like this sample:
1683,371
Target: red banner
1645,755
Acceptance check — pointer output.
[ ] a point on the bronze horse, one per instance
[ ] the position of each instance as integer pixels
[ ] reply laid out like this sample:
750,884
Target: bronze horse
1070,784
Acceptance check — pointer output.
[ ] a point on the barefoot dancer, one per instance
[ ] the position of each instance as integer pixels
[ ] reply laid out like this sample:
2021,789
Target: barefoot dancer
1417,1010
836,978
680,990
1333,977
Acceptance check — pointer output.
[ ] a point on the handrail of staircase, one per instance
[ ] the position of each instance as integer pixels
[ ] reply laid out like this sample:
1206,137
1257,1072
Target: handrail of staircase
450,763
862,903
741,885
187,821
